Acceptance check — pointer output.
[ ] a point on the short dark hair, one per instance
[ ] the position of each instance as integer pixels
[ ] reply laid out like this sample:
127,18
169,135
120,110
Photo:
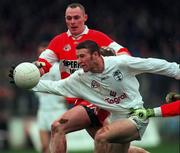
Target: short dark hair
74,5
92,46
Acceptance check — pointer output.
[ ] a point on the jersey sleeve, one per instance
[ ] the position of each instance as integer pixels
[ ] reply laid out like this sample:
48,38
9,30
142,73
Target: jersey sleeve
68,87
138,65
104,40
50,55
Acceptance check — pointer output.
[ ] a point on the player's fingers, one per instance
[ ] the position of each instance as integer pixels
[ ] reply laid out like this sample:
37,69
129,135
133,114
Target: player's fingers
10,75
12,82
169,97
39,64
131,111
177,96
13,67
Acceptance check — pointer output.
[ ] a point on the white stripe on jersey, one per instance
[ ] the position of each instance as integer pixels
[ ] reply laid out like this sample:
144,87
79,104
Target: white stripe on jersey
115,46
50,56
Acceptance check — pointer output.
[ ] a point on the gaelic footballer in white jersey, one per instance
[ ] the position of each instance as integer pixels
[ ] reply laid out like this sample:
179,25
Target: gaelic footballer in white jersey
116,89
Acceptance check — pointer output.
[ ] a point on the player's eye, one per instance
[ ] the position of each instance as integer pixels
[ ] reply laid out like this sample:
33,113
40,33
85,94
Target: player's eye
68,18
73,17
76,17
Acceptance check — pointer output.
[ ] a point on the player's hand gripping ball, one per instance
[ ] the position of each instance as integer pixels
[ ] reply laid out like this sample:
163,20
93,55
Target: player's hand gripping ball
26,75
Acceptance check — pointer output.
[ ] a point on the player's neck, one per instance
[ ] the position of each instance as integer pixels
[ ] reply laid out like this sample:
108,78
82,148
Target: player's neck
78,36
98,66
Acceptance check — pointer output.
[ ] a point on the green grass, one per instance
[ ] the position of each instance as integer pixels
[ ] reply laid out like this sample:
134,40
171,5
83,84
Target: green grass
166,147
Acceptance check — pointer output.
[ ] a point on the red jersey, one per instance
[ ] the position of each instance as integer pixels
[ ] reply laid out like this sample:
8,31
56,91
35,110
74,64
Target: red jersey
63,49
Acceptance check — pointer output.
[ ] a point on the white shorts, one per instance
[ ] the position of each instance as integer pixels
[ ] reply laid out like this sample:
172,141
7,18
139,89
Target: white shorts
46,118
140,123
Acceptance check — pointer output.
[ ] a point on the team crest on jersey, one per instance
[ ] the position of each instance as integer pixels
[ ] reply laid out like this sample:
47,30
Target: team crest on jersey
117,75
95,84
67,47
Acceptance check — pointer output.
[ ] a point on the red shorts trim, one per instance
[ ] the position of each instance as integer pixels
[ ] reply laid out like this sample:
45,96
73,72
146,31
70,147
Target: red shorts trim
101,114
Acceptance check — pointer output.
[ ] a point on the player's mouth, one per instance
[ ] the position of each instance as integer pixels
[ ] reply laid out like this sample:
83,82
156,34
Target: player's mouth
74,28
83,66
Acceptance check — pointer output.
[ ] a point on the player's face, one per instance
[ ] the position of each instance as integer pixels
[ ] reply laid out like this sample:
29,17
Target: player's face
75,20
86,60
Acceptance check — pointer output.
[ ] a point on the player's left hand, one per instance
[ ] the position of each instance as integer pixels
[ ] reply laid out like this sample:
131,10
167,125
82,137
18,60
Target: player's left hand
11,75
142,113
40,66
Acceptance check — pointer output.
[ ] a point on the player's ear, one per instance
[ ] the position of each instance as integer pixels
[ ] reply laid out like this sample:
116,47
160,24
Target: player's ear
85,17
96,53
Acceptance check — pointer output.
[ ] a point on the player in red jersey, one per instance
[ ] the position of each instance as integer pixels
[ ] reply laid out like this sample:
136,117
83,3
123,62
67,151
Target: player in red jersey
62,49
172,108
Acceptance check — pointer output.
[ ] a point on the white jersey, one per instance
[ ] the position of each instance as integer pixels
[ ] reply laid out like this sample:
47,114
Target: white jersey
116,88
49,102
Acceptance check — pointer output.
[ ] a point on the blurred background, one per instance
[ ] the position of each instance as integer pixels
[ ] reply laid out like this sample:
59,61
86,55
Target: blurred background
146,28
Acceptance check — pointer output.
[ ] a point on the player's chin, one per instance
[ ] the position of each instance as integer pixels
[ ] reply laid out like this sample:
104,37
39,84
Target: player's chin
75,31
84,69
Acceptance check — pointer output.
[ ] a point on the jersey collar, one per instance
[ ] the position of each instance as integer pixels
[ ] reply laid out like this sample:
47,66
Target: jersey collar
84,32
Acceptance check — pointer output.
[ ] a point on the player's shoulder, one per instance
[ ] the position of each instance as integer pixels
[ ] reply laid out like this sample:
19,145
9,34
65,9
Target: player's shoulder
60,36
96,32
120,56
117,59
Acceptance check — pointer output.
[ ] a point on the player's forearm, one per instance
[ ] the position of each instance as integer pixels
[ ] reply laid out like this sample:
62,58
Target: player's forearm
55,87
171,109
48,86
48,57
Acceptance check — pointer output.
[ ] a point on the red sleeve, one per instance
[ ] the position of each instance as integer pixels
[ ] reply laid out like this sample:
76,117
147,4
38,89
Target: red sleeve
56,43
51,55
171,109
48,65
103,40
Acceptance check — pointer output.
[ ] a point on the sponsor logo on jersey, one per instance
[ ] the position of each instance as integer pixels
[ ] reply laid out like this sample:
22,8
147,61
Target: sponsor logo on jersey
95,84
67,47
113,93
116,100
71,65
117,75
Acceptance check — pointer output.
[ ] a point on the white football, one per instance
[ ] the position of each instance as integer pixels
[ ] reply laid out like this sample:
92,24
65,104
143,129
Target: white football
26,75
